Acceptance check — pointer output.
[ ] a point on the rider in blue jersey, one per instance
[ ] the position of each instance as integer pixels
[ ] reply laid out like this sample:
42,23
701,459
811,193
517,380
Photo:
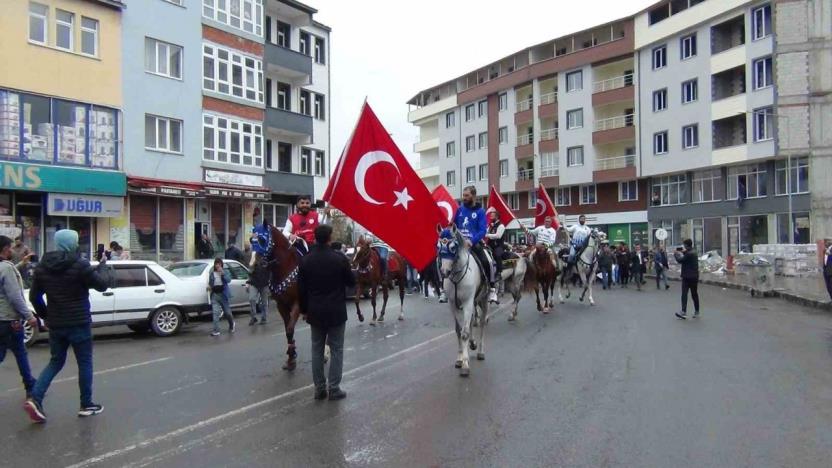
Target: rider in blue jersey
471,222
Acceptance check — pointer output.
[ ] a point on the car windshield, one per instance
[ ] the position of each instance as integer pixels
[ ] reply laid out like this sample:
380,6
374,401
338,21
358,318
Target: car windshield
187,270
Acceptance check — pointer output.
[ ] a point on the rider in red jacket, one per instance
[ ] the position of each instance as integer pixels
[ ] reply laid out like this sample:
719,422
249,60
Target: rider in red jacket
300,227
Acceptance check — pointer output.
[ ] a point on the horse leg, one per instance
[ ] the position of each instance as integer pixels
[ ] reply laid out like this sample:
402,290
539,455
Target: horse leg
373,295
537,297
385,294
484,319
289,318
546,286
358,288
401,301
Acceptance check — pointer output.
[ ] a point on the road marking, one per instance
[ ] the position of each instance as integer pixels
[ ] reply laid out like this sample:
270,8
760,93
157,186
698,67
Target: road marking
296,330
244,409
105,371
183,387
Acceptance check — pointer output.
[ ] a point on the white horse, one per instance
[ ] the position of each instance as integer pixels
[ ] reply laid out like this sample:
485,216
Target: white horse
515,281
467,294
586,266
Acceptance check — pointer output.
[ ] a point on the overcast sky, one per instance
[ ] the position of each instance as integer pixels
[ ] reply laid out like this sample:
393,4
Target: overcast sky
388,50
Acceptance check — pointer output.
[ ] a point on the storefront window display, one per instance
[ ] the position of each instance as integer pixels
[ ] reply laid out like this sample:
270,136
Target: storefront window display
143,228
171,230
800,225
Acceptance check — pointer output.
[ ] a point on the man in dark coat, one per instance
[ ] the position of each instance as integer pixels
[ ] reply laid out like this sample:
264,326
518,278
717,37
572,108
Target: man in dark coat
623,259
661,267
689,261
638,264
234,253
605,265
323,277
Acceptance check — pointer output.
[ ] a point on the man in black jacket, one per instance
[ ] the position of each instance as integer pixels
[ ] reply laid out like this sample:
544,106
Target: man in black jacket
687,257
323,277
66,279
638,263
257,287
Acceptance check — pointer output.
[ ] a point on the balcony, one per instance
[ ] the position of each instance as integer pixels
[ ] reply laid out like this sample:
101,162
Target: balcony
614,129
548,105
614,169
525,179
548,140
286,183
428,172
525,147
550,171
548,98
426,145
287,62
610,84
524,105
524,111
616,89
289,123
549,134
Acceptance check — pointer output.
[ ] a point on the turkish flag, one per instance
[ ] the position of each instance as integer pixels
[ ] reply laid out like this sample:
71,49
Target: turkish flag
376,186
446,202
544,209
496,201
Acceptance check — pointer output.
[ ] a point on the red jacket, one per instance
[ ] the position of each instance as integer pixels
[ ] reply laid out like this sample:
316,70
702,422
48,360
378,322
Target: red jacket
304,226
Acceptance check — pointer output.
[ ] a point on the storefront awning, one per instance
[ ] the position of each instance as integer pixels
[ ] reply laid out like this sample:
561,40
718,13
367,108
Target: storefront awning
249,193
167,188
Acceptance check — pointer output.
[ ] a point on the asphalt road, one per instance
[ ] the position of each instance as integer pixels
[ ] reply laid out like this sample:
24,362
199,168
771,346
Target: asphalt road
620,384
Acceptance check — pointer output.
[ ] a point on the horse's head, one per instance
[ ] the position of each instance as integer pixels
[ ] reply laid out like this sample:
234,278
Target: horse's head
262,241
361,257
449,246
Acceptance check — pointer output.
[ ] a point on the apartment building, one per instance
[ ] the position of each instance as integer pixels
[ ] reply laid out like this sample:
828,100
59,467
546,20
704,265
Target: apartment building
562,113
61,159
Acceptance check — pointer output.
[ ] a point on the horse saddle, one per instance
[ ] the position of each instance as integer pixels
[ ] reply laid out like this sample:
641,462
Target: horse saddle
510,260
563,254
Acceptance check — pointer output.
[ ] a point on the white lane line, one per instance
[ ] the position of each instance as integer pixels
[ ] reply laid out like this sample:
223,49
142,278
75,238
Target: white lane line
105,371
238,411
296,330
183,387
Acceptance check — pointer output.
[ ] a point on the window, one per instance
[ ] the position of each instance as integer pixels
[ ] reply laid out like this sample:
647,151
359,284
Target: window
588,195
707,186
450,120
305,108
690,136
450,149
130,277
482,108
320,51
152,278
513,201
246,15
450,178
574,81
660,100
549,164
63,29
563,196
502,135
761,22
504,168
320,108
747,181
659,57
660,142
238,272
305,43
502,101
763,124
89,36
795,180
483,140
483,171
574,119
162,58
670,190
628,191
284,157
470,144
284,34
162,134
231,73
688,46
575,156
471,174
319,163
232,141
469,112
532,199
38,23
305,161
284,96
690,91
762,73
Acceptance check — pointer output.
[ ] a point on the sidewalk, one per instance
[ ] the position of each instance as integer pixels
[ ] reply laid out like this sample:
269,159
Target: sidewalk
809,291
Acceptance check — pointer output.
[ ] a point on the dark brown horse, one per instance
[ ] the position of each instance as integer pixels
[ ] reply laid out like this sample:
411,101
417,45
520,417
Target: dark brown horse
367,263
545,275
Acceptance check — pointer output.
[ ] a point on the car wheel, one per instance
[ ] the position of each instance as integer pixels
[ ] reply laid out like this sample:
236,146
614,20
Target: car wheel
139,327
30,334
166,321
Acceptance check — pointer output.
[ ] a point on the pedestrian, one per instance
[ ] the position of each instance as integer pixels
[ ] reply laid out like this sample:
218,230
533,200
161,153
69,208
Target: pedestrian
323,278
117,252
827,268
65,278
218,282
13,311
204,247
624,264
234,253
257,287
661,267
638,261
19,251
605,262
687,257
247,254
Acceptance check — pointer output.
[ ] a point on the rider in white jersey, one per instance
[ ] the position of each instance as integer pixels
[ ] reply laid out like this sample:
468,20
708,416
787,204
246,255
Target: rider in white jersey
545,234
580,234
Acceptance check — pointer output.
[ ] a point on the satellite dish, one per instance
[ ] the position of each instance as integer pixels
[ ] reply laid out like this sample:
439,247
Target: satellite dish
661,234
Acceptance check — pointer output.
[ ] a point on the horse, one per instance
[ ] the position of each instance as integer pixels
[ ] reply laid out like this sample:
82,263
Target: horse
467,291
367,264
269,244
429,276
515,280
545,275
585,266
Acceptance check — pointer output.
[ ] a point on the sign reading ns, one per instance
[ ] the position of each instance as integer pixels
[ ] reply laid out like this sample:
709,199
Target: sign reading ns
18,176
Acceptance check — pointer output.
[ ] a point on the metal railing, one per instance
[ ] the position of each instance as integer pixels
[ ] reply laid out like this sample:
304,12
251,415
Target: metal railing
617,162
526,139
612,83
525,174
525,104
619,121
548,98
552,171
549,134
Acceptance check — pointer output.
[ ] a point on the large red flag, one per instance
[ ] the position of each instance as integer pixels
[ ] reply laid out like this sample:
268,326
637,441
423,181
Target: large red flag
544,209
376,186
445,201
496,201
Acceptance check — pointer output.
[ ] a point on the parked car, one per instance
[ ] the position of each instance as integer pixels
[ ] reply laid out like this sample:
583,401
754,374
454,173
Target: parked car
144,296
194,273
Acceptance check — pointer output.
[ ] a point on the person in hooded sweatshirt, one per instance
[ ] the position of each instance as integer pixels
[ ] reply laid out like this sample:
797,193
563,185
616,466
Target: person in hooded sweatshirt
65,278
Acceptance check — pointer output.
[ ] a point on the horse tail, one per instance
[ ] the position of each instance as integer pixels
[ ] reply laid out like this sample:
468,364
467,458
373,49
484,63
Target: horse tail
530,278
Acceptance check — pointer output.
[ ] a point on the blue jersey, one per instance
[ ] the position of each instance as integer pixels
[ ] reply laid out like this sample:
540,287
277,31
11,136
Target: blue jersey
471,222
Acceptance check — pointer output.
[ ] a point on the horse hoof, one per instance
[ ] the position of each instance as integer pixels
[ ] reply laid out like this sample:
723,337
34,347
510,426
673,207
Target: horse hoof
473,345
511,318
372,323
290,365
381,319
464,372
360,318
480,356
458,364
546,311
401,318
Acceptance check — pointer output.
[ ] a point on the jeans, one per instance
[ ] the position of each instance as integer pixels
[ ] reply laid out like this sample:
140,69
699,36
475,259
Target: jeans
258,299
691,285
412,279
605,277
828,279
334,337
220,307
661,274
13,340
616,274
60,339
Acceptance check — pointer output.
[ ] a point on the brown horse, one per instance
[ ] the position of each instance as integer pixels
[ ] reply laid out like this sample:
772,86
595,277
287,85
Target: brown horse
545,275
367,264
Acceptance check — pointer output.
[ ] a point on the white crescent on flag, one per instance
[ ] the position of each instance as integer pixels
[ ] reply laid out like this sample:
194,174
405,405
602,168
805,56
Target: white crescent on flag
541,207
364,164
447,207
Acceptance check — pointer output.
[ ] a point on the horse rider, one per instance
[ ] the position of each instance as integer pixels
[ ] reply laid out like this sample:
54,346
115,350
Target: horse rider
300,227
471,223
579,233
383,251
495,238
545,235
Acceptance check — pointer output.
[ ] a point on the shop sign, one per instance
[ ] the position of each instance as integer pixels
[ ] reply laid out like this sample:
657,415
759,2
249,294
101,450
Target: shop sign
231,193
619,233
169,191
638,232
63,204
233,178
18,176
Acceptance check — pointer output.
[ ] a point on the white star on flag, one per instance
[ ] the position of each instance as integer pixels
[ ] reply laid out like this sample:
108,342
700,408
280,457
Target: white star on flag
402,198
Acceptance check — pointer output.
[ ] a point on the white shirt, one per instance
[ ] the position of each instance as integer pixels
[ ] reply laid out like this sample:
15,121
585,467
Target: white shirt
288,228
579,232
545,236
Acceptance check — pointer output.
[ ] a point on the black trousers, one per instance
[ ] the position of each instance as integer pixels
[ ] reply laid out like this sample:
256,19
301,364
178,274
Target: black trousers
478,251
691,285
498,259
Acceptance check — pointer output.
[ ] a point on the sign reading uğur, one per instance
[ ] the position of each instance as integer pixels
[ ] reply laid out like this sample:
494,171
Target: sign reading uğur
41,178
65,204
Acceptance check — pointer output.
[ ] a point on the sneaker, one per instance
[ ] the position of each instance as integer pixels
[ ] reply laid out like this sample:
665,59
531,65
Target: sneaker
681,316
443,298
320,394
232,327
337,394
35,411
492,296
215,333
90,410
262,321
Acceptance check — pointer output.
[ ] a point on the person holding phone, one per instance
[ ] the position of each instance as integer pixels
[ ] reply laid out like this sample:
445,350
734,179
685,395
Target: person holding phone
218,282
689,261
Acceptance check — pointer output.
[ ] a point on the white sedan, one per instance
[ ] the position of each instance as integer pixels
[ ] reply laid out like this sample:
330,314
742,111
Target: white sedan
194,273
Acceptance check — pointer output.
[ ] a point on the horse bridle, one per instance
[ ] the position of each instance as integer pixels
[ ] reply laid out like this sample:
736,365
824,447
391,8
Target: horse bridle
269,259
459,274
357,262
